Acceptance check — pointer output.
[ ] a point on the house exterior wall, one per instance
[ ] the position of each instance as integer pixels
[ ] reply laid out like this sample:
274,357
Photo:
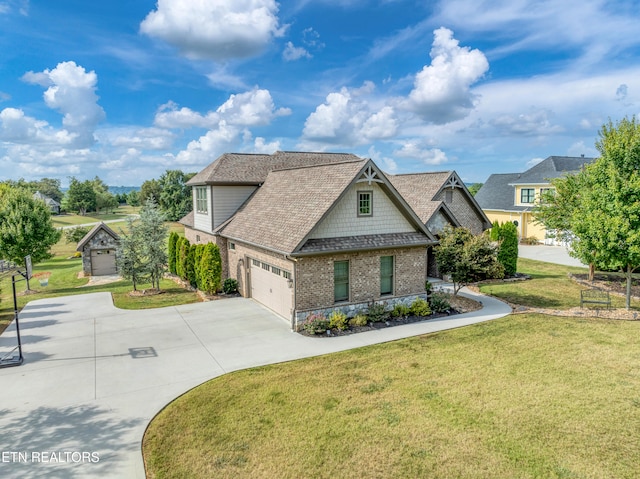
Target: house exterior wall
202,221
227,200
527,227
314,283
343,220
437,223
100,240
462,209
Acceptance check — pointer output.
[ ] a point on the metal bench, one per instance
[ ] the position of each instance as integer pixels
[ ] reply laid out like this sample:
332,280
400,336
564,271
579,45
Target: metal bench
594,296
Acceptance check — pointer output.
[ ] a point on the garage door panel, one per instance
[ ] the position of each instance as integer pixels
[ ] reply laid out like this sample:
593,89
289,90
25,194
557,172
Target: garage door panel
103,262
271,289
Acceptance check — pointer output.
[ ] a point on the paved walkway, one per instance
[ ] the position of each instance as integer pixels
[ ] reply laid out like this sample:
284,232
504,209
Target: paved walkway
94,376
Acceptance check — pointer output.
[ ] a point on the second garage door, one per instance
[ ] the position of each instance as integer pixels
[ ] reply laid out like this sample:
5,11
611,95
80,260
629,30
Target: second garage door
103,262
270,286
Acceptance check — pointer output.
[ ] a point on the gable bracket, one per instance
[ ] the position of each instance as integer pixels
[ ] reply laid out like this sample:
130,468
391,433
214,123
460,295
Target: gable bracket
369,175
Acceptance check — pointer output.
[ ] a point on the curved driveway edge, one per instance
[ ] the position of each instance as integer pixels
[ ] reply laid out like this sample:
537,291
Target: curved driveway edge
94,375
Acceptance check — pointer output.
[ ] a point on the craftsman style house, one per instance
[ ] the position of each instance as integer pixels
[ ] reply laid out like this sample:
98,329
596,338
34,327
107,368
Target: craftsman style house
310,232
512,196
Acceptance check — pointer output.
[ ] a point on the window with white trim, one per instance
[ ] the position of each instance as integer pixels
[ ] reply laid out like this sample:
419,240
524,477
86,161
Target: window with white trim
201,200
365,203
527,195
340,281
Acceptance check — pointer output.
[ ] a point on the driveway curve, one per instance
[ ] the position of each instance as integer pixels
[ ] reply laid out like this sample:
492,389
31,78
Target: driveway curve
94,375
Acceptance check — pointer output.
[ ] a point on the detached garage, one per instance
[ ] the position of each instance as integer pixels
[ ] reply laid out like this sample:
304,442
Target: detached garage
98,249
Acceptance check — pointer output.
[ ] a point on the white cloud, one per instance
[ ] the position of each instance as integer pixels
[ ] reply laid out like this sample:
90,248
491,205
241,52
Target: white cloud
346,117
141,138
292,53
442,90
4,96
71,91
414,150
250,109
219,30
209,146
261,146
389,164
169,116
533,162
535,123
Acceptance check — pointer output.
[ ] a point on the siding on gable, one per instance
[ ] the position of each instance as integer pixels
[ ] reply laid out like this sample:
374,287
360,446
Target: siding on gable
227,200
201,221
462,210
343,220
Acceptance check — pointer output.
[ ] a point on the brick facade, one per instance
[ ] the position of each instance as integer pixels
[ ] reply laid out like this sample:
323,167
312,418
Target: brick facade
314,282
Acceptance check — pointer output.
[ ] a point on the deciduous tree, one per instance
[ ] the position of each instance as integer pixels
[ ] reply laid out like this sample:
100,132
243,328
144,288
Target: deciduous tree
25,227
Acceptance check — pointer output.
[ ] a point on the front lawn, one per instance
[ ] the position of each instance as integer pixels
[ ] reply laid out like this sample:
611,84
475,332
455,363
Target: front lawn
549,287
523,396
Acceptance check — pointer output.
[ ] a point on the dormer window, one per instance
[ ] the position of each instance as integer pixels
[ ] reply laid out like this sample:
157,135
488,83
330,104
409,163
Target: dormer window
365,203
201,200
527,195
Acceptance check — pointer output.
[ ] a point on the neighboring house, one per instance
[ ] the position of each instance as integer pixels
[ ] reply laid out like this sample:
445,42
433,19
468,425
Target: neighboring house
99,249
512,196
313,232
53,205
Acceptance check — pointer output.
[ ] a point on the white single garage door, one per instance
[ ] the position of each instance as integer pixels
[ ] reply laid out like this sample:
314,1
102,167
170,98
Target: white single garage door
103,262
270,286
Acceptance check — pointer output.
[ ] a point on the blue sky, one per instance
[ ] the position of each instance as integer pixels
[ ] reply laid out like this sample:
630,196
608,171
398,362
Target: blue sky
127,89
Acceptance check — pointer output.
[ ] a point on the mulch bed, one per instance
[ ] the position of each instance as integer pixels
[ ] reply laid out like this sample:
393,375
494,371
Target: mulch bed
459,305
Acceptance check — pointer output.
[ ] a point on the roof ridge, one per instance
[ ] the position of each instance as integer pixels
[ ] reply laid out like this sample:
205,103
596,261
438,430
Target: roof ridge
319,165
424,173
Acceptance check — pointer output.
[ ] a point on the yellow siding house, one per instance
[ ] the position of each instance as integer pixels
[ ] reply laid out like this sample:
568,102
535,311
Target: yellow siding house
512,196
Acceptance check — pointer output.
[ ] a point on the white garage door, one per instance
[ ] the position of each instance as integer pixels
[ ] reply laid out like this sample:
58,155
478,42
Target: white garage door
270,286
103,262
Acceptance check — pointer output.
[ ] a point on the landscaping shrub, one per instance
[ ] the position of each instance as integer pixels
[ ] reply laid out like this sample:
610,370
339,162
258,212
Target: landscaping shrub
377,312
197,262
494,235
190,267
210,269
173,242
440,302
428,287
315,323
338,320
508,251
400,311
182,249
230,286
420,307
358,320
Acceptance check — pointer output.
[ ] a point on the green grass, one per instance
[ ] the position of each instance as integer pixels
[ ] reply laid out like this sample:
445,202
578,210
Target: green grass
524,396
73,219
549,287
64,269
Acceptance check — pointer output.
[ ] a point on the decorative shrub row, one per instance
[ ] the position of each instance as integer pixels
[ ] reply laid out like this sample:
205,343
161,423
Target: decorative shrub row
199,264
317,323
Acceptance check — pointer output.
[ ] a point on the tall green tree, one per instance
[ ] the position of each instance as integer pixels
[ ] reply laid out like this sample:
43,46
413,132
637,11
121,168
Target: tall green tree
175,196
25,227
142,253
149,189
602,209
173,241
80,197
467,258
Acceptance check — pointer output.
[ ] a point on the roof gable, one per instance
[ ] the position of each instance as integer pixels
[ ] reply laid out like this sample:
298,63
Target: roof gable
99,227
553,167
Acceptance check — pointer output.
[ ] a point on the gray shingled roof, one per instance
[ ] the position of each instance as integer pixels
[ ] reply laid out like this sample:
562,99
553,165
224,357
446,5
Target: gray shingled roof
553,167
418,189
244,168
187,220
290,203
364,242
498,194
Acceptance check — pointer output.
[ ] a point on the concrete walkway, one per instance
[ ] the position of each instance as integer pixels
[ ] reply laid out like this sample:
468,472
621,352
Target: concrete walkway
94,376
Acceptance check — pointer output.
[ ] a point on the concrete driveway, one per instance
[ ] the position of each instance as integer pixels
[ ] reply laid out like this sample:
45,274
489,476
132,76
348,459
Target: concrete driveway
94,376
549,254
